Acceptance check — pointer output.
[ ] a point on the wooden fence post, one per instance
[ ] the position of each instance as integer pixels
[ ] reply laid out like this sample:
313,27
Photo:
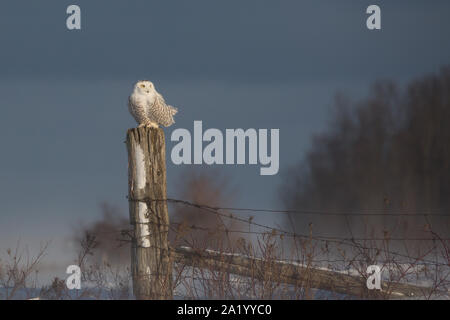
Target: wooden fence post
150,257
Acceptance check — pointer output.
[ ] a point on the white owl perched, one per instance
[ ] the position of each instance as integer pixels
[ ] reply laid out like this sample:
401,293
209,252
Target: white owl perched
148,107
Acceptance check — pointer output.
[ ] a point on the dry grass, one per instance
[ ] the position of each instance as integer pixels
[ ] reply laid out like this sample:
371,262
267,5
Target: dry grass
426,264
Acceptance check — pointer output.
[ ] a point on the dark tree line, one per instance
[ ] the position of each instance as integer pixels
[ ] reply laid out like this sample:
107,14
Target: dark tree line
389,152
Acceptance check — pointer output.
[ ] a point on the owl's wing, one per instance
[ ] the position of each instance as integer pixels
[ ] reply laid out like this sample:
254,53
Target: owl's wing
161,112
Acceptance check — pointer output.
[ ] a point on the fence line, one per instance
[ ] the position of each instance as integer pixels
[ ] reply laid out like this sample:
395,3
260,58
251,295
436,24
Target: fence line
417,260
293,235
375,212
274,231
348,261
293,274
215,210
153,256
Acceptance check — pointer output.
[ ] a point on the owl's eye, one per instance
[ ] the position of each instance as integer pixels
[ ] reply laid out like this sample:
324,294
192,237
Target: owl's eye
142,85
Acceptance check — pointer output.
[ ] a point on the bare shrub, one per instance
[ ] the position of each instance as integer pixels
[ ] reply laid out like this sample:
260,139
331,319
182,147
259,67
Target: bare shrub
19,271
210,188
108,233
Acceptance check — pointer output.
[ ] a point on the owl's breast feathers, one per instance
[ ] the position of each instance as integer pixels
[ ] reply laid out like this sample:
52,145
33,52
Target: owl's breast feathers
137,108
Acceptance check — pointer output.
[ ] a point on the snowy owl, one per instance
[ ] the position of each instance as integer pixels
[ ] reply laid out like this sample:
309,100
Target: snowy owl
148,107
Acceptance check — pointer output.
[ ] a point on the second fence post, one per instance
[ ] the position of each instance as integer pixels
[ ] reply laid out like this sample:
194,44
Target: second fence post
150,258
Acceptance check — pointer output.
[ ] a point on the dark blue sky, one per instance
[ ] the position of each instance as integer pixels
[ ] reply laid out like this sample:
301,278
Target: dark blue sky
250,64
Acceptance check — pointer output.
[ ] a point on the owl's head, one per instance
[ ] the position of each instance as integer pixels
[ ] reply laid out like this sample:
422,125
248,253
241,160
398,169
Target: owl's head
144,87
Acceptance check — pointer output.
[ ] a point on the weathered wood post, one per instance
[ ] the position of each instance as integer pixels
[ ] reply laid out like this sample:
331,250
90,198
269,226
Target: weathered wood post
150,258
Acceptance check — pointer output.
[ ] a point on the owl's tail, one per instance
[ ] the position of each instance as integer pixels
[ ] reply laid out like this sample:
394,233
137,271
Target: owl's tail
170,112
173,110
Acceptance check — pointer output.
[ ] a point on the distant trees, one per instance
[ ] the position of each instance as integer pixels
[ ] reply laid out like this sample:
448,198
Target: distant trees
389,152
108,237
103,237
201,227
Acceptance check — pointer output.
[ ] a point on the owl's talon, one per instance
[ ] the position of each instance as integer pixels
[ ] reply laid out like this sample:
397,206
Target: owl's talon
148,125
151,125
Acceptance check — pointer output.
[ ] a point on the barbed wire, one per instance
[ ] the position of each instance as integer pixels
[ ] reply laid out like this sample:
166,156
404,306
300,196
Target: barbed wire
216,210
360,212
419,261
274,231
372,212
325,238
309,262
317,237
338,240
